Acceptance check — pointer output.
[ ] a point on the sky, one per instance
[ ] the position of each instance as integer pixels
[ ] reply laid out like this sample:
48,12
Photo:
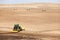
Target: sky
27,1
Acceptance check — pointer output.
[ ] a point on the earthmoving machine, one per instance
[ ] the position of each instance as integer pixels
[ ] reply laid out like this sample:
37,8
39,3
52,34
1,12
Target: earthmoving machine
17,28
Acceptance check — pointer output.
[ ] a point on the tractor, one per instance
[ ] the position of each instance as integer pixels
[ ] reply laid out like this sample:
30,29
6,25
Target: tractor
17,28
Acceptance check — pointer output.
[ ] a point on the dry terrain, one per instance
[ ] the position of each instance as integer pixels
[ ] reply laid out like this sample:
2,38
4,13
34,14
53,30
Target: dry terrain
40,20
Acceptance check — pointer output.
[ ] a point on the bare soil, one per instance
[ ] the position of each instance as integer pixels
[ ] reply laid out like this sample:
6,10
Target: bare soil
41,21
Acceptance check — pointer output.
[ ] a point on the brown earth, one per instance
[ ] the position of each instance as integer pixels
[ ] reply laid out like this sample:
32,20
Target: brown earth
41,21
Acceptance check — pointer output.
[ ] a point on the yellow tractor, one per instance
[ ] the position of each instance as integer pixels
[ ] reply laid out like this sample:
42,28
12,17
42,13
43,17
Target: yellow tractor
17,28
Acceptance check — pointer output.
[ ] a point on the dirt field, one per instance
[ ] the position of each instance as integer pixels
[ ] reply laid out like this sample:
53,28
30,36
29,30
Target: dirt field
41,21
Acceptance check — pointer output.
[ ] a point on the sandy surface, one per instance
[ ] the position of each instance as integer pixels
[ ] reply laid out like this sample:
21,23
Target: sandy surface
41,21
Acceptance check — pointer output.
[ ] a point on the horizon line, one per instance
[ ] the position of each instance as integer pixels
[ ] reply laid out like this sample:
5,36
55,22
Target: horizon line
33,3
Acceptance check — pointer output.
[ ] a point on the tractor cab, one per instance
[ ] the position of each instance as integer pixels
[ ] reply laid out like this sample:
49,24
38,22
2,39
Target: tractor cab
17,28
